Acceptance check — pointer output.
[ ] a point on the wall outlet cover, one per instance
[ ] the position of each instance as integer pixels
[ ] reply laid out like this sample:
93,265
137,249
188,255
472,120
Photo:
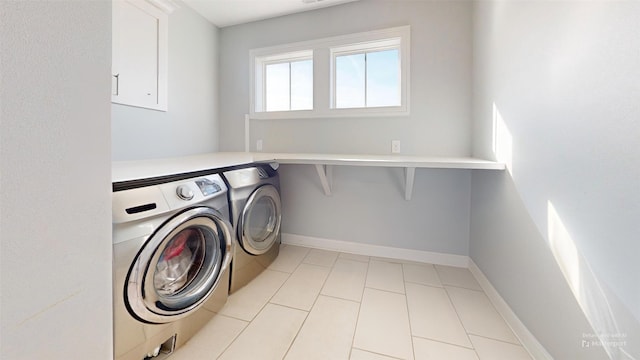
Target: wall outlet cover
395,146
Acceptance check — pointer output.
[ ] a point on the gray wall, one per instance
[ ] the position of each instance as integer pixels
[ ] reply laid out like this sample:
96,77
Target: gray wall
564,78
439,123
55,229
190,126
367,204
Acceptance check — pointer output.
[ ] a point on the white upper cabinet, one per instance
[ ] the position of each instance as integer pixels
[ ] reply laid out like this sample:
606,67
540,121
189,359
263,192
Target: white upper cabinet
139,63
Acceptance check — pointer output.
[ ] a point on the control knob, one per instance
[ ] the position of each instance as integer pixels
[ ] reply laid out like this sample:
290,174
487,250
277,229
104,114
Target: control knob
184,192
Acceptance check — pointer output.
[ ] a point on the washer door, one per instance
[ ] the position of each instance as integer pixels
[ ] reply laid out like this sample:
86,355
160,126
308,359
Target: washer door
179,266
259,226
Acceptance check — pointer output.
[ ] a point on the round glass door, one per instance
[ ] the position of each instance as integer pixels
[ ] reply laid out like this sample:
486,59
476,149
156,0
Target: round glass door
179,266
261,217
182,261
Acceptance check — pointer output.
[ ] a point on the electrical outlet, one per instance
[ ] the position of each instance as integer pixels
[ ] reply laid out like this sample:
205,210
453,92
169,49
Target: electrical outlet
395,146
259,145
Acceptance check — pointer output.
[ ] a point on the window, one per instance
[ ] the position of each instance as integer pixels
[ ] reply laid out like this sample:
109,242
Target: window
363,74
367,75
284,82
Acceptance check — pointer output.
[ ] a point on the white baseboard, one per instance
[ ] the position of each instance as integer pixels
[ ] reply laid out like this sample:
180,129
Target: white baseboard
528,341
376,250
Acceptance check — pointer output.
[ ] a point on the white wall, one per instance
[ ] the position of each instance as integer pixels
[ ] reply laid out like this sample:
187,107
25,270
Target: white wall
55,229
190,126
557,235
367,204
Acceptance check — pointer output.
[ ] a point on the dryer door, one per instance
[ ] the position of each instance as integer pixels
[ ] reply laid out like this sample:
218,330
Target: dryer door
259,226
179,266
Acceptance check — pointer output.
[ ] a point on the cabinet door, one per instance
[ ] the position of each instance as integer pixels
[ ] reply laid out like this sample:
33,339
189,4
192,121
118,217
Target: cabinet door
139,55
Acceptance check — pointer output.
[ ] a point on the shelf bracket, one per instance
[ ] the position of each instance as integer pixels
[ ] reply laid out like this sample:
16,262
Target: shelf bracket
409,175
325,172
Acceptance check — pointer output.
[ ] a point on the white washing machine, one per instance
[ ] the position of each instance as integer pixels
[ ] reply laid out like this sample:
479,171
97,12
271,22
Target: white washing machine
172,249
254,198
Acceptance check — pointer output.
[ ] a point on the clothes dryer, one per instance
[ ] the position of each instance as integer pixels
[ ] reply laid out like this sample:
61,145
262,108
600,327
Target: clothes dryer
254,198
172,248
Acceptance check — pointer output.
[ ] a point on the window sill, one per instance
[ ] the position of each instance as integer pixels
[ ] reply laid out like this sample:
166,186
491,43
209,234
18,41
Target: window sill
333,113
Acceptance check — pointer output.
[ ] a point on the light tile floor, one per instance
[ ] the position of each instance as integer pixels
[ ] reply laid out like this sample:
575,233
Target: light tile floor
317,304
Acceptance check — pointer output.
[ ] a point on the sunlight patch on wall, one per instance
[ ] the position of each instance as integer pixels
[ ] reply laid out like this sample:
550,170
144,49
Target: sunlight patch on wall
586,289
564,250
502,140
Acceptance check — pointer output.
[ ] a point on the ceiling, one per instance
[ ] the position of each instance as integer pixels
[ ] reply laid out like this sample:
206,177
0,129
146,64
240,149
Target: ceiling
232,12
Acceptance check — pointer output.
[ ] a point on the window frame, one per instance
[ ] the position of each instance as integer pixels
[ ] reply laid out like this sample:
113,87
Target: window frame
364,48
261,63
323,59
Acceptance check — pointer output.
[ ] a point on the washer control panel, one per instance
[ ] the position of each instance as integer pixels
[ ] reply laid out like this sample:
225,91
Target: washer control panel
146,202
208,186
187,192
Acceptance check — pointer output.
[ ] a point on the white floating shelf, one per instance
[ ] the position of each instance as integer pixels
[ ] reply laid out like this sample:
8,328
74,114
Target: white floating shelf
324,163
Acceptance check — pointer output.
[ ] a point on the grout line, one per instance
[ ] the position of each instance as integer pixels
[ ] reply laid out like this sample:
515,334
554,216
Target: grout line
435,267
404,285
235,338
427,285
444,342
454,285
293,341
312,305
353,338
518,342
406,302
301,261
274,294
385,290
327,266
276,270
351,259
395,292
423,284
290,307
387,260
327,279
237,318
339,298
376,353
254,316
337,253
466,332
461,287
494,339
